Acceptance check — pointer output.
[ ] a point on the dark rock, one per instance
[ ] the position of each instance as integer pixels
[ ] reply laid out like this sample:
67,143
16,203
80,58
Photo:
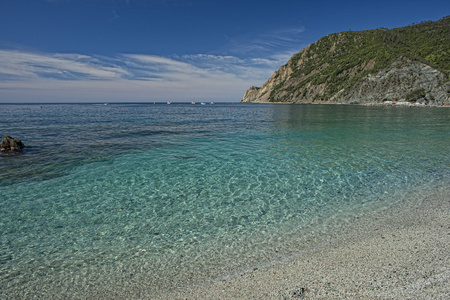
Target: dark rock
299,293
10,144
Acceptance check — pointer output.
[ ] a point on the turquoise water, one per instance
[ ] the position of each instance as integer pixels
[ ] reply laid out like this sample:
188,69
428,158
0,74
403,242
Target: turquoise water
147,198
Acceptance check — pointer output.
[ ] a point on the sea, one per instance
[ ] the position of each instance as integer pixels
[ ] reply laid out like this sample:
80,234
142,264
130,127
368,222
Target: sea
142,199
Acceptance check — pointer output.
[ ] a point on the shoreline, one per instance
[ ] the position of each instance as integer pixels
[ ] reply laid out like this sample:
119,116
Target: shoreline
401,253
151,222
402,104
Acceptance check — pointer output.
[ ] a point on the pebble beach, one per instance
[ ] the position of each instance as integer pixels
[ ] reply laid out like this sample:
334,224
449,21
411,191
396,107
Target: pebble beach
402,253
226,202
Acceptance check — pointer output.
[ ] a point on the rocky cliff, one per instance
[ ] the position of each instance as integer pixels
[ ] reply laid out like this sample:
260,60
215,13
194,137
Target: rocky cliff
411,63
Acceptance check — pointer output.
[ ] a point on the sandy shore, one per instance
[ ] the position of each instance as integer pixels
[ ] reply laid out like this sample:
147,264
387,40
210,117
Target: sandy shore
403,253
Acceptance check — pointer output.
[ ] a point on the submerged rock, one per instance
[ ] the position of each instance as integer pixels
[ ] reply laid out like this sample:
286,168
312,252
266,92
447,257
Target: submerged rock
10,144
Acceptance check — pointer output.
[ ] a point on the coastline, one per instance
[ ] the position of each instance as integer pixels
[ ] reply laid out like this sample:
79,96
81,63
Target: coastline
83,236
400,253
401,104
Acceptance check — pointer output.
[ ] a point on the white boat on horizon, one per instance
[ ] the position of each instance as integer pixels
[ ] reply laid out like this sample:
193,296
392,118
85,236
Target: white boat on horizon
168,102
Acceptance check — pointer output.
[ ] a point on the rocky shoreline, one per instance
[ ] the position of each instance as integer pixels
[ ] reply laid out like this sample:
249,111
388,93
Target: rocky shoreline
403,104
407,64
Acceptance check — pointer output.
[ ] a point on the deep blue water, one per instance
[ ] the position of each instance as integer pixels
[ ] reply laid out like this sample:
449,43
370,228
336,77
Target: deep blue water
171,195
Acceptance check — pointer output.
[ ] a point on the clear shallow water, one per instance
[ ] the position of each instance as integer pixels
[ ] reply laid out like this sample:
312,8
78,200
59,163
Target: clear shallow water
150,197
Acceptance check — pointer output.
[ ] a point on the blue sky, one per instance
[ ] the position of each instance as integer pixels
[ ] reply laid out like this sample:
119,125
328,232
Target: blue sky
170,50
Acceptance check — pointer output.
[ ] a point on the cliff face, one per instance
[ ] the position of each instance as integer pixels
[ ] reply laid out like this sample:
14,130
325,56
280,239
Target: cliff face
410,63
398,82
262,94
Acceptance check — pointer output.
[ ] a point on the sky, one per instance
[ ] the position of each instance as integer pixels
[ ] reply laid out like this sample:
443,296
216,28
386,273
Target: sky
171,50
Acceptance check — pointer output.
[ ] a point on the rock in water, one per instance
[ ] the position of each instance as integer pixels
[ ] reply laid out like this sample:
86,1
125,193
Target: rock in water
10,144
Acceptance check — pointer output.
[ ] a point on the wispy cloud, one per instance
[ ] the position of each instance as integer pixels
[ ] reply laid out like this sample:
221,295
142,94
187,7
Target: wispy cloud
28,76
286,40
20,65
162,67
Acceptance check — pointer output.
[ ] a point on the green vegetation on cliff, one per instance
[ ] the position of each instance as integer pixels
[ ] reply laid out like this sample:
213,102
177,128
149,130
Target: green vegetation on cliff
337,62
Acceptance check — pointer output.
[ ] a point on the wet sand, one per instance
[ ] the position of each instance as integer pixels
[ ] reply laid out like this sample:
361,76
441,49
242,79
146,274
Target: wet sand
402,253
